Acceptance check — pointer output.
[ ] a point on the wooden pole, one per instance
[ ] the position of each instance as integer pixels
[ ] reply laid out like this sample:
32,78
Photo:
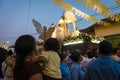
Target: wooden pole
63,17
45,29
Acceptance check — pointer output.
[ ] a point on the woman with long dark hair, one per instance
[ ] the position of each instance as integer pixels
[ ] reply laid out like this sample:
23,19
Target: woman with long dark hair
25,69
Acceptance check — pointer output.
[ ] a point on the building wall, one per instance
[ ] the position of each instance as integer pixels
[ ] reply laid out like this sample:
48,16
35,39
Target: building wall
107,31
114,39
110,33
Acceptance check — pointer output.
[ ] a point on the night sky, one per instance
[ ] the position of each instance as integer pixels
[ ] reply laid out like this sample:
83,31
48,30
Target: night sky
16,16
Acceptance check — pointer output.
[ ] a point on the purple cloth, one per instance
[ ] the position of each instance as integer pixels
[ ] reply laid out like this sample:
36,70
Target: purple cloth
69,60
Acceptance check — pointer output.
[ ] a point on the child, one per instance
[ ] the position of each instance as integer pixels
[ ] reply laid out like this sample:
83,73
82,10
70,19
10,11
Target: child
76,69
64,67
51,60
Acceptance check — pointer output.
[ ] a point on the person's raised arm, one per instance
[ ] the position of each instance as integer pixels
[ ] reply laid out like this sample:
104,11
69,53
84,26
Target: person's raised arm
10,61
39,59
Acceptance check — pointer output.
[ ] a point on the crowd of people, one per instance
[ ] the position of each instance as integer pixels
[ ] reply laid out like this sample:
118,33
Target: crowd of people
24,62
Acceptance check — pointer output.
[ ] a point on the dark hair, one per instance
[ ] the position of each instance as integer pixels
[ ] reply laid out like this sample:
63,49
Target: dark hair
75,55
51,44
24,45
90,53
62,56
105,47
3,54
10,52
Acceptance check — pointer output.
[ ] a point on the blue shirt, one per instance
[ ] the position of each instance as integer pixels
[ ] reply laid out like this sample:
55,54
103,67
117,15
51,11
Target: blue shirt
65,71
103,68
77,72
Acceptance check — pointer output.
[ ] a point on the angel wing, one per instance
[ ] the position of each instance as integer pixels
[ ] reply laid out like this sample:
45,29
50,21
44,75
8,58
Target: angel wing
48,33
38,26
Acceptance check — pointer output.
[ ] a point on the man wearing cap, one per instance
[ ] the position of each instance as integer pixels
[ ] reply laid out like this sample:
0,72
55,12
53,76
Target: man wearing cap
104,67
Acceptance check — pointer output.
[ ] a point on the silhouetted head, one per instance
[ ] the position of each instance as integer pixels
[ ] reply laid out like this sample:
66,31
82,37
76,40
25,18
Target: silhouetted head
105,47
52,44
25,45
76,55
10,52
90,53
63,56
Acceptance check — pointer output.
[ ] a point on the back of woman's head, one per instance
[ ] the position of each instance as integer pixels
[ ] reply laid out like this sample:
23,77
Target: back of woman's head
51,44
24,46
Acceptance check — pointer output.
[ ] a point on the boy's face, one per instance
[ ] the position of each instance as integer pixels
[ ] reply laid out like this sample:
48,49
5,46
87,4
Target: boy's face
64,60
81,58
